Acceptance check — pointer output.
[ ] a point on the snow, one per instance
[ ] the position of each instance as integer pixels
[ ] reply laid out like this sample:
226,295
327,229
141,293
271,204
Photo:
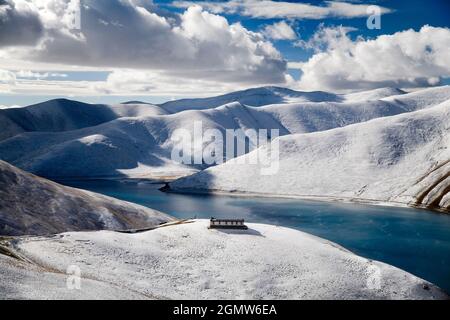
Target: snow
190,261
64,115
138,143
54,116
24,281
371,95
138,110
399,159
421,99
35,206
255,97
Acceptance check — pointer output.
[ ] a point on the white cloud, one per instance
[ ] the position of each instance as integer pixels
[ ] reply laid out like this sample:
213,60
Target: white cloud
295,65
130,34
49,87
280,31
124,82
405,59
37,75
267,9
7,81
327,38
7,77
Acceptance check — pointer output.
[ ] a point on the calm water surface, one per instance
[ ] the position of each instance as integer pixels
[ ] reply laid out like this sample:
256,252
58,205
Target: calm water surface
414,240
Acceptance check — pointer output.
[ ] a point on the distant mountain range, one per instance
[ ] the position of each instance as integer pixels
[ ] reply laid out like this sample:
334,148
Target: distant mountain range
65,115
68,139
133,140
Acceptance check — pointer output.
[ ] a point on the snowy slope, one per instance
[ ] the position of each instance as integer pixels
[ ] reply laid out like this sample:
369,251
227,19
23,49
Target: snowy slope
142,146
252,97
403,158
421,99
263,96
25,281
32,205
64,115
53,115
137,110
189,261
138,144
371,95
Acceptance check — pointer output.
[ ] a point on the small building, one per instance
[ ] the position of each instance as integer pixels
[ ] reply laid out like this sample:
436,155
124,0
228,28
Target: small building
227,224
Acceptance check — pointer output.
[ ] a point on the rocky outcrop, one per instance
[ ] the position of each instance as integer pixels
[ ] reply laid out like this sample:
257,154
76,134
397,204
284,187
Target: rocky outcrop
434,189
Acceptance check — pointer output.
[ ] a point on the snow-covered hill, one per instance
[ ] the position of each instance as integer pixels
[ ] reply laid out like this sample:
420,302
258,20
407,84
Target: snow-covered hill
64,115
143,146
26,281
421,99
371,95
35,206
190,261
140,146
254,97
403,158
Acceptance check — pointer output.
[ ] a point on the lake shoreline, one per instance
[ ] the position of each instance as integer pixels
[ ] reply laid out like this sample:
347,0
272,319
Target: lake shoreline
348,200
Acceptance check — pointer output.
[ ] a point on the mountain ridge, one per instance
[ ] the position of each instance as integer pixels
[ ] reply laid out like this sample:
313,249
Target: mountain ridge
138,143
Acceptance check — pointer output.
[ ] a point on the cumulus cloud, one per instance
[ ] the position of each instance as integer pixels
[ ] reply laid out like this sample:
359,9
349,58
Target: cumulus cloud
130,34
280,31
19,24
267,9
125,82
7,77
404,59
327,38
7,81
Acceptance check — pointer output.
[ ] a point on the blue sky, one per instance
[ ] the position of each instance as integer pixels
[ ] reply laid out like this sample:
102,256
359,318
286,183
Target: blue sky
406,14
161,50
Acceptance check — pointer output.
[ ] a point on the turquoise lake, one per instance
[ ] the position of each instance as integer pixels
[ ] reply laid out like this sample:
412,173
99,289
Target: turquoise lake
417,241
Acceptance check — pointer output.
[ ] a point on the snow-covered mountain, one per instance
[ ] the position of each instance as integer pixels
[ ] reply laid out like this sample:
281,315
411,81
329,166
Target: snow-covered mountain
375,94
138,143
143,145
403,158
35,206
65,115
53,115
190,261
254,97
